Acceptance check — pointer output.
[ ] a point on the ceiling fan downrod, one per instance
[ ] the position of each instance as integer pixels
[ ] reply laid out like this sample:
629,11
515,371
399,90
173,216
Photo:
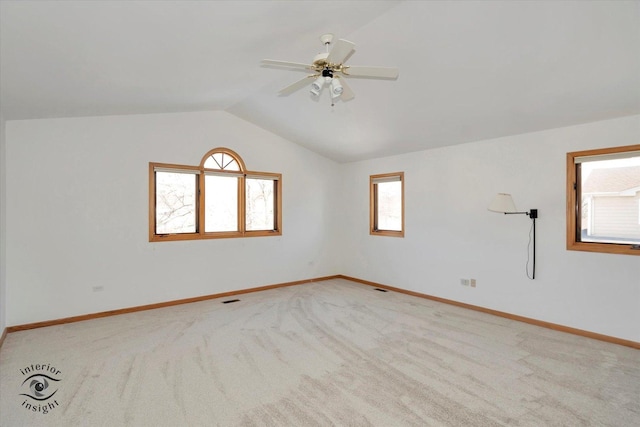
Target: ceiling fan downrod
326,39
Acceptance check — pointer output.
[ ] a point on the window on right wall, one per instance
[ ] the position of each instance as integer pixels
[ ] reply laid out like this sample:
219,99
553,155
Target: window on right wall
386,204
603,200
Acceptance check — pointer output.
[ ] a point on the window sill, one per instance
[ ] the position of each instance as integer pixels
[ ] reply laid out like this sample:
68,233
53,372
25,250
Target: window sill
388,233
209,236
609,248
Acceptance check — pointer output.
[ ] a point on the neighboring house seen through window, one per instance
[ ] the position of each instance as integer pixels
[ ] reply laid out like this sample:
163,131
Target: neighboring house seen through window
219,198
603,200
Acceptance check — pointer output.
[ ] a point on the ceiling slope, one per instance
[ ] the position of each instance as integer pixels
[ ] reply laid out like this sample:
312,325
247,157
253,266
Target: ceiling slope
469,70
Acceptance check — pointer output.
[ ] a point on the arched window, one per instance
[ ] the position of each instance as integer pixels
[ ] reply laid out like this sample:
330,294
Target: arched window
222,159
219,198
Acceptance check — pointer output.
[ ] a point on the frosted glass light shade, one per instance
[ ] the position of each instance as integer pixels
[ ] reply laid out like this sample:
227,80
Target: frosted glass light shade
317,86
502,203
336,88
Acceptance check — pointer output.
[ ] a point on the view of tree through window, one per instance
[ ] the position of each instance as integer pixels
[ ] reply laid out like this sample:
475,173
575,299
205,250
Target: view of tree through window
260,204
175,202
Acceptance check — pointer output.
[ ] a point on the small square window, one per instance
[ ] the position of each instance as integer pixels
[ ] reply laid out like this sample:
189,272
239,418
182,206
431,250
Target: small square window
603,200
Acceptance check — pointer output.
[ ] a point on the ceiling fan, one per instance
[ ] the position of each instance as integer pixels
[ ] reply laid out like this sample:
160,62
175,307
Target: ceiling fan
329,69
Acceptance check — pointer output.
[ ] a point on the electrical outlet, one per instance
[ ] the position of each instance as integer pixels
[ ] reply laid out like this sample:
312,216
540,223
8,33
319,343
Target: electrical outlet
473,283
464,282
98,288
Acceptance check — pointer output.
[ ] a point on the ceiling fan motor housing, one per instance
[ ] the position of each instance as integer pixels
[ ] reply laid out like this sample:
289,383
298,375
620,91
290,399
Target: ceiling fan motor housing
320,60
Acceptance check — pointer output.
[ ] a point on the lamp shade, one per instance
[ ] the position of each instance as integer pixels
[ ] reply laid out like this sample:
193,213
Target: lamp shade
336,88
317,86
502,203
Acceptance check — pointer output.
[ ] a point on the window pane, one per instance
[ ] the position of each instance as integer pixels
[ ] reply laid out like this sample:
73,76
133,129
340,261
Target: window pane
260,212
175,203
221,203
389,206
221,161
610,204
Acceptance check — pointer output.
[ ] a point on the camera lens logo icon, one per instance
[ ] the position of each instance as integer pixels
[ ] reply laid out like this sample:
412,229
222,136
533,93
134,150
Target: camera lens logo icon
40,387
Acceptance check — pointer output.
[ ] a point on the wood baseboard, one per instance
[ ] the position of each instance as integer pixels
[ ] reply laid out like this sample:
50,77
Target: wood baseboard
157,305
3,336
548,325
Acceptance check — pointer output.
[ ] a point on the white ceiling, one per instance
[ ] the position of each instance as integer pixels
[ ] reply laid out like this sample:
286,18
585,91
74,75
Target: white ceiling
469,70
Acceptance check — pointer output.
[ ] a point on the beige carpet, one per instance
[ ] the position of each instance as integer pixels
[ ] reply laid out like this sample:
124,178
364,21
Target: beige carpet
327,353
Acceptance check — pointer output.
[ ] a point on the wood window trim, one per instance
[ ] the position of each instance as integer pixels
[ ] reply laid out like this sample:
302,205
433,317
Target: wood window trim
200,234
277,188
573,208
227,151
372,206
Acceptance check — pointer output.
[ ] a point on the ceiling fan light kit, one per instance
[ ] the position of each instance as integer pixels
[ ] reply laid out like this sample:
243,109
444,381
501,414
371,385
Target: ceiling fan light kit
317,86
336,88
329,69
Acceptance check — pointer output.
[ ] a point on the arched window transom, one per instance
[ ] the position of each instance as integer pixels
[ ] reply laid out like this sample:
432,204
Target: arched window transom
223,159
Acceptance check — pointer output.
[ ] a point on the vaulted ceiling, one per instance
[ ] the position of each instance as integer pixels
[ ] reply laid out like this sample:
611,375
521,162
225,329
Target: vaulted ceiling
469,70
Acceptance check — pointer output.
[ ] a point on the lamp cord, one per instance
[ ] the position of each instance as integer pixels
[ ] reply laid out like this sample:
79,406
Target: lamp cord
529,252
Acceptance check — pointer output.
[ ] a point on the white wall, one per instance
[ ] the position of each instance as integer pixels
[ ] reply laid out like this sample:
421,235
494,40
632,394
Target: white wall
451,235
3,229
77,214
76,217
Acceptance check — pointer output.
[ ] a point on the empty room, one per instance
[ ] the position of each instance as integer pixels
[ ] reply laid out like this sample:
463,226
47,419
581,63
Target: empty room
319,213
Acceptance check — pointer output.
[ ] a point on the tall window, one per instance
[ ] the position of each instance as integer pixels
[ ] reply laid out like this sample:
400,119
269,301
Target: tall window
386,204
219,198
603,200
175,201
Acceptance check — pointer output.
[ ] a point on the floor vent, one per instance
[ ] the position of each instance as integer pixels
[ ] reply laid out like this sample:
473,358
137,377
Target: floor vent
230,301
381,290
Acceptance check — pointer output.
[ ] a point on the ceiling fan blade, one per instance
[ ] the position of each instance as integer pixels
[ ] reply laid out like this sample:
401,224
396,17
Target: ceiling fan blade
296,86
340,51
371,72
286,64
347,93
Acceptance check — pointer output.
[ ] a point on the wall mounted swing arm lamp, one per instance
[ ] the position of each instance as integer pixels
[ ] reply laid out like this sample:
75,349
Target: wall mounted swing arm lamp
503,203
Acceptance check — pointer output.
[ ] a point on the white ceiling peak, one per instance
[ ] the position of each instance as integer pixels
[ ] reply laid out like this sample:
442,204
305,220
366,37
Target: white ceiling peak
469,70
